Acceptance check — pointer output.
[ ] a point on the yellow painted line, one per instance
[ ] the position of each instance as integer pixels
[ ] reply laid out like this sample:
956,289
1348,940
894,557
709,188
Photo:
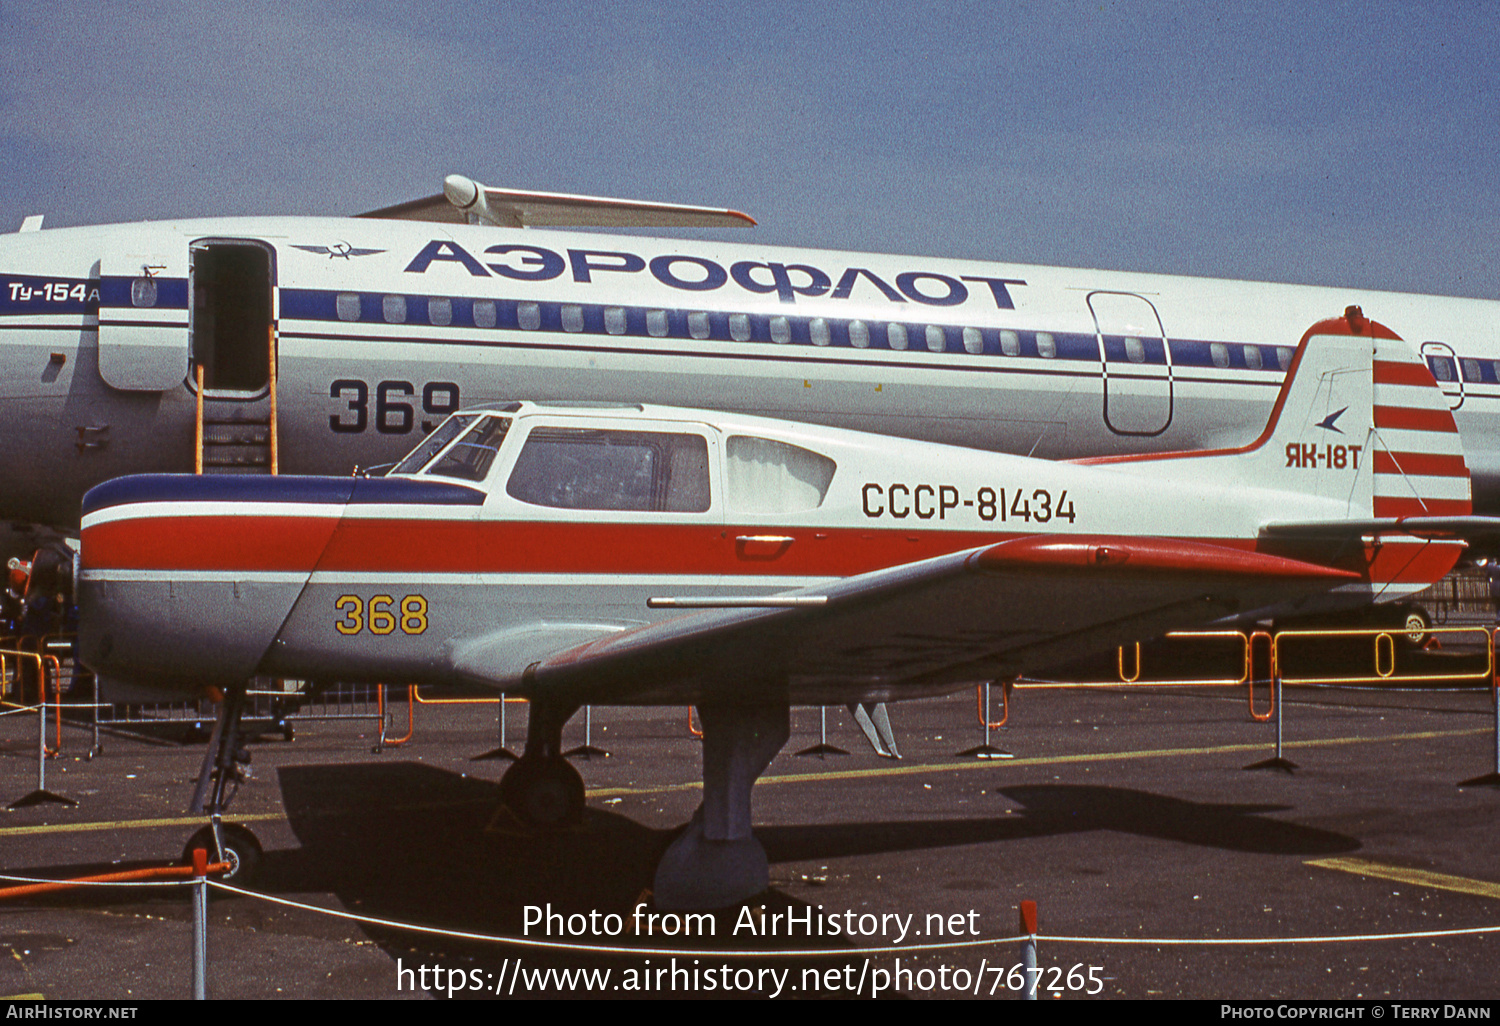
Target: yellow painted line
802,778
1416,877
131,824
1055,760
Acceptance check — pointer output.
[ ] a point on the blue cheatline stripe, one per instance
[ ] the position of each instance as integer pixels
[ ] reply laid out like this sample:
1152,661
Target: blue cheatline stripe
232,488
552,318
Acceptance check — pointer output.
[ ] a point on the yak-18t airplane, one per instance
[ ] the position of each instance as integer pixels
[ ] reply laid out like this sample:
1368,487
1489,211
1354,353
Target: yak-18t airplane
632,555
365,333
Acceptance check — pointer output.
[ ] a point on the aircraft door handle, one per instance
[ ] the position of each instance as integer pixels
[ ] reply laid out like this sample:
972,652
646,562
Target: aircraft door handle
761,546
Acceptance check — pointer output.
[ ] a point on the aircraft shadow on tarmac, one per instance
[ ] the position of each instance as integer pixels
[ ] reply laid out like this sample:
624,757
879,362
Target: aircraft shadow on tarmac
409,842
1053,809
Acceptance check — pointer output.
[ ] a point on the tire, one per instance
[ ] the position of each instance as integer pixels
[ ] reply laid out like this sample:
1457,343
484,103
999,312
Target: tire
546,793
1415,627
241,850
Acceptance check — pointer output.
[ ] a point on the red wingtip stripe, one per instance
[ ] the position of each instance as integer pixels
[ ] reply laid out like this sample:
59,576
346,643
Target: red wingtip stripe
1150,555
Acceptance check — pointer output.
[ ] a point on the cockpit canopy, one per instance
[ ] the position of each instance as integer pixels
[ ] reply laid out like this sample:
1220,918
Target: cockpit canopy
606,465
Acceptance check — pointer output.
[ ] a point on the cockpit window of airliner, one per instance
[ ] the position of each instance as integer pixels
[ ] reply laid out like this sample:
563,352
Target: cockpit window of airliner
765,476
446,432
471,456
586,468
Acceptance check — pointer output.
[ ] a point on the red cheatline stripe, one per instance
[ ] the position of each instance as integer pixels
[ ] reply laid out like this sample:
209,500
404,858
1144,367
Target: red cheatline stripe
1407,418
1426,464
1405,506
1388,373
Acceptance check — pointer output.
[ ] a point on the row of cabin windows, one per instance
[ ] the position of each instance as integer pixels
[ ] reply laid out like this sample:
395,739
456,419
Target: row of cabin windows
647,471
897,336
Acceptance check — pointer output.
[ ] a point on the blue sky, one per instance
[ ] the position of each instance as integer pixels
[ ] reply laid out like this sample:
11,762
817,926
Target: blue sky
1345,144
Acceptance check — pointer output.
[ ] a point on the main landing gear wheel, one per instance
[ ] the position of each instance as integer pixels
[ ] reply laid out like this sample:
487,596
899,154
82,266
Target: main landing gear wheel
545,792
1415,625
241,850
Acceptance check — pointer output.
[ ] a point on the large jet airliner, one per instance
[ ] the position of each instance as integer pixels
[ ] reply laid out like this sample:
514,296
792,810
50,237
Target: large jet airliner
357,335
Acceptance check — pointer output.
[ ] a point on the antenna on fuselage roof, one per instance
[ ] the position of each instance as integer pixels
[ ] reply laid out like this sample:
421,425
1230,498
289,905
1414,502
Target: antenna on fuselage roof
465,201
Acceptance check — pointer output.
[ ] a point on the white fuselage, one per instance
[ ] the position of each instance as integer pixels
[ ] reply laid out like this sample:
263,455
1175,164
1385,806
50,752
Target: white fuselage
384,327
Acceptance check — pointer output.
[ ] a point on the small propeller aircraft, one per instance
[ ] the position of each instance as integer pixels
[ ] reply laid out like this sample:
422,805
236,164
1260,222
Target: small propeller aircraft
579,554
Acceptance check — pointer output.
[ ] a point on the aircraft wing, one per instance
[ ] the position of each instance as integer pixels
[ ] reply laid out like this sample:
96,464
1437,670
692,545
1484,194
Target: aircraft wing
1017,606
517,208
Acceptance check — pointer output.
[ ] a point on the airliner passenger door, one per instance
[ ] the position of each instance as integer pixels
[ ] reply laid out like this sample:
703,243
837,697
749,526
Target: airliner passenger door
1135,361
143,321
1440,359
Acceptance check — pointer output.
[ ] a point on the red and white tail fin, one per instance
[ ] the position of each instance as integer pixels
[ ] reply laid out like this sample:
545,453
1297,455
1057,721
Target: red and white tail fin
1418,457
1360,430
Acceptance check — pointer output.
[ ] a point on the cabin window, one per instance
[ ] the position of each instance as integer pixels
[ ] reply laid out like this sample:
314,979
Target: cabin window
781,330
484,313
143,292
656,323
698,325
937,339
1284,357
1135,350
817,330
1442,368
587,468
973,341
528,316
859,334
1252,357
765,476
446,432
1472,370
471,456
739,327
895,336
1010,343
1495,368
572,317
1046,345
440,312
393,309
614,320
346,305
1218,352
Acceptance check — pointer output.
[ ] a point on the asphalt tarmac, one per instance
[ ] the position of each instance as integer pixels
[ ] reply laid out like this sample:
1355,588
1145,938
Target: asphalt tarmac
1125,815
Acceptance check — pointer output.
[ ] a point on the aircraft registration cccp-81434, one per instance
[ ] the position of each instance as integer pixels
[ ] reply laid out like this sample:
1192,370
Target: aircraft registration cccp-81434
645,555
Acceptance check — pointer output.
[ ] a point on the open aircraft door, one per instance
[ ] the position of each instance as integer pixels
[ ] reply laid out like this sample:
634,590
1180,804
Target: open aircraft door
1440,359
233,310
1135,361
143,321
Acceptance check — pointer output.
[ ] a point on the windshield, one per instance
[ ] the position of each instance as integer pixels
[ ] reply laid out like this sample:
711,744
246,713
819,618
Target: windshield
446,432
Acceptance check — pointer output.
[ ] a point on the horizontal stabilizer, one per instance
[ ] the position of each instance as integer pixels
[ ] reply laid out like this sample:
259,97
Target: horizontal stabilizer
464,200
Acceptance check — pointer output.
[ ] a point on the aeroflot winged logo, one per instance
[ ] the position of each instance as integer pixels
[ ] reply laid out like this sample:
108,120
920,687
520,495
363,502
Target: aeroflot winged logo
339,249
1328,421
698,274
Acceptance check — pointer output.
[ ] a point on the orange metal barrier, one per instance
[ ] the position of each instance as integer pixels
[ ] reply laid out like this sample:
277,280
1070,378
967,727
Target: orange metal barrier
417,694
42,663
695,731
1270,675
984,714
1135,678
1385,657
411,715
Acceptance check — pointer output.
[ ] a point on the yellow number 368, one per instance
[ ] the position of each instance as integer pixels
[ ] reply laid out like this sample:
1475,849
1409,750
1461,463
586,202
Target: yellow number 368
381,615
